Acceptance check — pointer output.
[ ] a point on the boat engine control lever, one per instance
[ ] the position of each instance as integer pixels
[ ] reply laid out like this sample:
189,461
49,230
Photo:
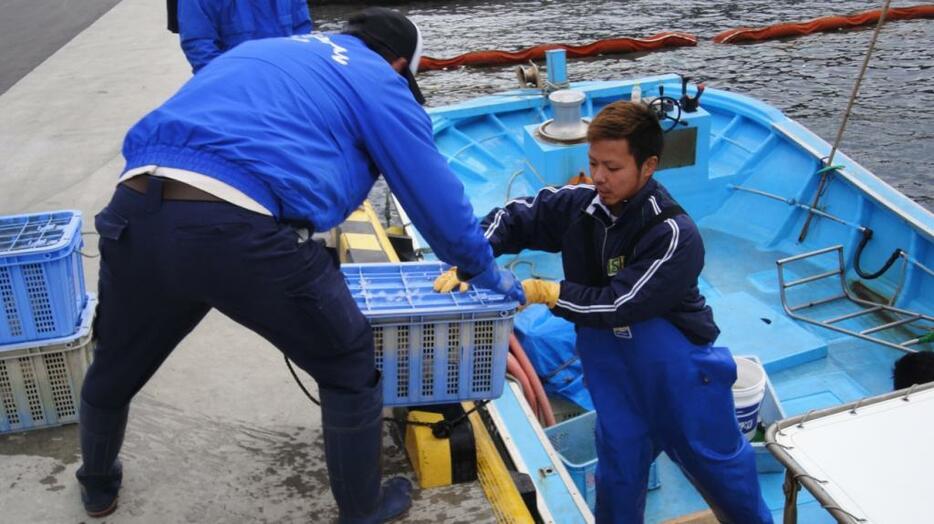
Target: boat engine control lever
688,104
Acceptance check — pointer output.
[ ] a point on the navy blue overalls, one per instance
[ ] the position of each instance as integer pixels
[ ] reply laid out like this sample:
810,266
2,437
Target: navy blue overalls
166,263
644,334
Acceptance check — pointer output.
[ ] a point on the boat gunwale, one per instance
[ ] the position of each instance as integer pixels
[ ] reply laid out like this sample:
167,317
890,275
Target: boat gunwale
766,115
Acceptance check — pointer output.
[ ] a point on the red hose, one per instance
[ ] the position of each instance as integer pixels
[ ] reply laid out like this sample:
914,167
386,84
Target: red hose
824,23
547,416
515,369
600,47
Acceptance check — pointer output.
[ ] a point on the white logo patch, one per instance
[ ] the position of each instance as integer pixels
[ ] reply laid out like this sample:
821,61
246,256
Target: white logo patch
622,332
339,54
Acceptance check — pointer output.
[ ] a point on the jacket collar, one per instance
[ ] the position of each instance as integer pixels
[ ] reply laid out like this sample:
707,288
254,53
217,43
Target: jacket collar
601,212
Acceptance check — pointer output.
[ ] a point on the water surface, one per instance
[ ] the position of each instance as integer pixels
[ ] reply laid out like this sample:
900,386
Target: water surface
891,129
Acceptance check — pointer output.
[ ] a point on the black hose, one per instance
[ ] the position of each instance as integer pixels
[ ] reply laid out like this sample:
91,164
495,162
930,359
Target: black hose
299,382
867,235
440,429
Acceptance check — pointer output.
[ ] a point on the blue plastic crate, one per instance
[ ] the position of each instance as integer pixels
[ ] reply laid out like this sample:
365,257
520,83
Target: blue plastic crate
42,289
40,384
575,440
431,347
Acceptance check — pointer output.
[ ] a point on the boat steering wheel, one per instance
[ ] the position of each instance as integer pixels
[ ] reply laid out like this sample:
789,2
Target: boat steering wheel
664,106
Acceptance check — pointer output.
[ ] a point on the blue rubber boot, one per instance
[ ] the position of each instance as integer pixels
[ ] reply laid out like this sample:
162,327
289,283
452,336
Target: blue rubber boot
101,473
353,441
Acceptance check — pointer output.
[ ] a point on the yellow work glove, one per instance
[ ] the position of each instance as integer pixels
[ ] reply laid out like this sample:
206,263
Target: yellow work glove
448,280
541,291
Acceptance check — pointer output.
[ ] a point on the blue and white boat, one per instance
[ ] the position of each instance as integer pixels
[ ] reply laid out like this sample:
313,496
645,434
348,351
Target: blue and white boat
792,247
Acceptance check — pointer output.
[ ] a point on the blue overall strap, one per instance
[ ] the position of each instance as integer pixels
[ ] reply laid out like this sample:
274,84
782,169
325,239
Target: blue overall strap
668,212
666,265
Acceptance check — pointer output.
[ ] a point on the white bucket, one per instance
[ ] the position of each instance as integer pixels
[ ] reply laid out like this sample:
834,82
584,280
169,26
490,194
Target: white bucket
748,391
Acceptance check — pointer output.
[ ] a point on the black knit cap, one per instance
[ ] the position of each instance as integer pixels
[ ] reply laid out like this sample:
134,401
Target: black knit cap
390,33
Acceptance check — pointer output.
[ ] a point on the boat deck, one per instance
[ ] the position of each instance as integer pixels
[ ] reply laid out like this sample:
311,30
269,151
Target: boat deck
750,170
809,367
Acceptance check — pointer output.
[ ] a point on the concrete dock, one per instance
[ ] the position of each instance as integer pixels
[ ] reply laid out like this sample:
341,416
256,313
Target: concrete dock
221,433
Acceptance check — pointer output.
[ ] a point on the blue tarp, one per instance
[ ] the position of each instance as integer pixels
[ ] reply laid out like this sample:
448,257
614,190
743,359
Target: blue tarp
549,343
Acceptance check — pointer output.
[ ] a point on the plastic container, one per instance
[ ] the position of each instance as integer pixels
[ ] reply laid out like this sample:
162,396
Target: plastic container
432,347
748,391
770,411
42,290
40,385
636,95
564,409
575,441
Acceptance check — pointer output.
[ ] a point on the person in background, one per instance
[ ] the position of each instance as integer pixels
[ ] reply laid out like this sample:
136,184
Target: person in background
171,11
631,259
223,183
208,28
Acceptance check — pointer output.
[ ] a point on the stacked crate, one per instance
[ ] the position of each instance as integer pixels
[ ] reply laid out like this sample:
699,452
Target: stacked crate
45,320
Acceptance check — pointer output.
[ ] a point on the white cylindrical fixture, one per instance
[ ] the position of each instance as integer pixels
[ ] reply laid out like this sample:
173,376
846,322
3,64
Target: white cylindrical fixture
567,124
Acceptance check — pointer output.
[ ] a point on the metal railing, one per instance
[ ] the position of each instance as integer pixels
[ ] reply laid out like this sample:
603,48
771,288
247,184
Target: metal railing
902,317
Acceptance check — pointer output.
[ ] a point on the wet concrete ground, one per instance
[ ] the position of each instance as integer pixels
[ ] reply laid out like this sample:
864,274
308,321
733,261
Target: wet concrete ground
221,433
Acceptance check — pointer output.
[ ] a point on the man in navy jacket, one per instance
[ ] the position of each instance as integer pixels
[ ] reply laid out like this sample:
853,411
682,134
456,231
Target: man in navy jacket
222,184
631,260
208,28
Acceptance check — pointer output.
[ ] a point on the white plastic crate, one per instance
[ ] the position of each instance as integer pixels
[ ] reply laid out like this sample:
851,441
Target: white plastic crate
40,383
432,348
770,411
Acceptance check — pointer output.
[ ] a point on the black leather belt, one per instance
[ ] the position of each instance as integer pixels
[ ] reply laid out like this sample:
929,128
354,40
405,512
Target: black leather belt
171,189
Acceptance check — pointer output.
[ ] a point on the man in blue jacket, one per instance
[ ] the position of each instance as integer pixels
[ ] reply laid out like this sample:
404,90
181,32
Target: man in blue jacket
222,184
631,259
208,28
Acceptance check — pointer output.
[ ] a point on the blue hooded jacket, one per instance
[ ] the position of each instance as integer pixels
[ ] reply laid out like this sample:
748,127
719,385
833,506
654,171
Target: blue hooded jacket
304,125
210,27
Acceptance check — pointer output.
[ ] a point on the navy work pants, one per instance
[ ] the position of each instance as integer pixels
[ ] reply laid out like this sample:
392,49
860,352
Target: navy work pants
655,391
166,263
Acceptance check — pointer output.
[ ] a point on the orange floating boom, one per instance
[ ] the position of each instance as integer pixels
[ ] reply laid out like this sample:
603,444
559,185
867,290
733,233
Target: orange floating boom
824,23
600,47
